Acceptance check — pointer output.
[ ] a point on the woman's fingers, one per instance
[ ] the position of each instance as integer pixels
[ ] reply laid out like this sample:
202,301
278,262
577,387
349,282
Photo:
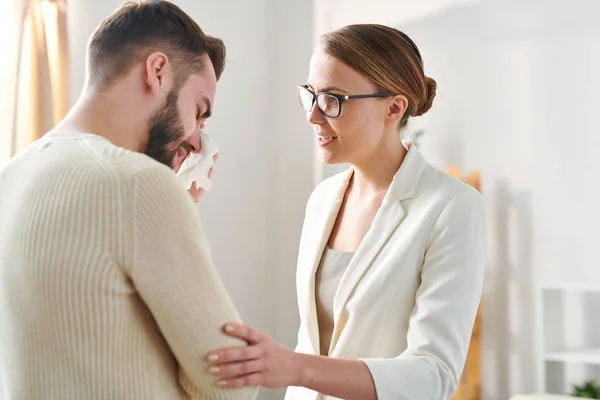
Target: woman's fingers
243,332
234,354
242,381
237,370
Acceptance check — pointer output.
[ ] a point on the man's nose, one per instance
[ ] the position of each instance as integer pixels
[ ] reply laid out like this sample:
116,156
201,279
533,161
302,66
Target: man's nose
194,142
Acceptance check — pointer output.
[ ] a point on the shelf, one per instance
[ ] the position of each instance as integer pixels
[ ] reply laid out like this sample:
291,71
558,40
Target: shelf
583,356
572,286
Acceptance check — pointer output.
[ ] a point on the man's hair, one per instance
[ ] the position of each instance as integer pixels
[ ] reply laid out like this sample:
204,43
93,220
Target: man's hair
139,28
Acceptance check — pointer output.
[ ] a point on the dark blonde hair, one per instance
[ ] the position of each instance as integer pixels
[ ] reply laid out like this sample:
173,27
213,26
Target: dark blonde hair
139,27
388,59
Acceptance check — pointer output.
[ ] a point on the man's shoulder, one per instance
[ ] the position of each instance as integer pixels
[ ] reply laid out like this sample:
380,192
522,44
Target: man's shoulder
130,165
144,175
86,158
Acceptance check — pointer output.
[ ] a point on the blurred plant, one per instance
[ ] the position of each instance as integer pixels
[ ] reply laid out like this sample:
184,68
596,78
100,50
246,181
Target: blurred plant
589,390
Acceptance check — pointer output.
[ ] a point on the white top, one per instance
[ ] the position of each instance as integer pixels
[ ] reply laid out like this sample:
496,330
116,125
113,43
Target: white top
408,299
332,267
107,286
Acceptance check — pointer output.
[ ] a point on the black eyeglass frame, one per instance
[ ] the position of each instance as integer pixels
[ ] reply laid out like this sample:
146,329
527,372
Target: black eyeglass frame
341,98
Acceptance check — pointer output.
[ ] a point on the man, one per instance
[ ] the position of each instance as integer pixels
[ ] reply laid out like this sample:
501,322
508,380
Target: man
107,287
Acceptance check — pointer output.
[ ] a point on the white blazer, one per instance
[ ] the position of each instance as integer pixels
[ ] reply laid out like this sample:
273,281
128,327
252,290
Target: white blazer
407,302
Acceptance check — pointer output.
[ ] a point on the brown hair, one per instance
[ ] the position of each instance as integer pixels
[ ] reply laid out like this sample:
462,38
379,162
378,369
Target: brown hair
386,57
140,27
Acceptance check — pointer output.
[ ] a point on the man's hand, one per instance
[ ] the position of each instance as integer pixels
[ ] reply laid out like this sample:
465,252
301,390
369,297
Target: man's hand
197,193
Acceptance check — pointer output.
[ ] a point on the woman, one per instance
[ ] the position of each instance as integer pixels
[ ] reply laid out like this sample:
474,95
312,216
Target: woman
392,253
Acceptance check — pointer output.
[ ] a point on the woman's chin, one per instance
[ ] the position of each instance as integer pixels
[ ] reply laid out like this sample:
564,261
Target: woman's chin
328,158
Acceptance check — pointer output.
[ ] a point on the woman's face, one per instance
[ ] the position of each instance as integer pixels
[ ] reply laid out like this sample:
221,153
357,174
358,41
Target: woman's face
360,129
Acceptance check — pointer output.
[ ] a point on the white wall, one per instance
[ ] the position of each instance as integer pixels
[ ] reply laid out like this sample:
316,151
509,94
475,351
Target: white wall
332,14
290,48
263,178
517,100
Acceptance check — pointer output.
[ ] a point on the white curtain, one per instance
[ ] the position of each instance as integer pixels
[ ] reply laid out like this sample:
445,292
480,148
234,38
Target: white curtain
37,72
7,71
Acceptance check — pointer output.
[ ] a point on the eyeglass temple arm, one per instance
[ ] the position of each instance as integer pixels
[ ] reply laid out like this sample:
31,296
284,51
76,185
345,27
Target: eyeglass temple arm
364,96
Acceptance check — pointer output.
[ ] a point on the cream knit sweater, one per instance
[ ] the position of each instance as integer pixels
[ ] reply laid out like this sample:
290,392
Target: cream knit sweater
107,286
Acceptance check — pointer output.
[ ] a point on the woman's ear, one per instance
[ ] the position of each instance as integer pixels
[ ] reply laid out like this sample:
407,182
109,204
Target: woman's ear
397,107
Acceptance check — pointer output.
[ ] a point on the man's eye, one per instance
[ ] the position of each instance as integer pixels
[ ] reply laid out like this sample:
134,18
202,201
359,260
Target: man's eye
198,114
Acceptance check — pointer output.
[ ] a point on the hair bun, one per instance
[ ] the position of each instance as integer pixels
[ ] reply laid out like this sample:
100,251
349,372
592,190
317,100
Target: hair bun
425,104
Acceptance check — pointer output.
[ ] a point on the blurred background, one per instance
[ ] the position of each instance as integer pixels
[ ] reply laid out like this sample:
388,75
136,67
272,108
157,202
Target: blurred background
517,84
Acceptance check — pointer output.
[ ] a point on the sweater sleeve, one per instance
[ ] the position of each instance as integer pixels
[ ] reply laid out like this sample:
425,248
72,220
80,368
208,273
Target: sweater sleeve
446,304
173,272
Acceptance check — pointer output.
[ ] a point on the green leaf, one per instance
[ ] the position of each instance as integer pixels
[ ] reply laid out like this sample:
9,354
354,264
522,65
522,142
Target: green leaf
589,390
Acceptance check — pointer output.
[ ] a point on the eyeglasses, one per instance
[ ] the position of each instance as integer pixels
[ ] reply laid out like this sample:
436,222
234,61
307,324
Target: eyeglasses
329,104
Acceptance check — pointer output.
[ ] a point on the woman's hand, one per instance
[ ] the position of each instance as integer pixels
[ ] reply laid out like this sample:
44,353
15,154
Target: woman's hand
264,362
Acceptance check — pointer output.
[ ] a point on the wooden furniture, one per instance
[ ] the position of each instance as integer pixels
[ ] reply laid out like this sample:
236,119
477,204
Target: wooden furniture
469,387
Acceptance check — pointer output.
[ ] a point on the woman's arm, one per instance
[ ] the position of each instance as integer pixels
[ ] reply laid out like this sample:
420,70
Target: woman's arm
438,335
446,303
345,379
266,363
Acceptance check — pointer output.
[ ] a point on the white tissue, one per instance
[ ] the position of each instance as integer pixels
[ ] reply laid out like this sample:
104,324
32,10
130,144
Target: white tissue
196,166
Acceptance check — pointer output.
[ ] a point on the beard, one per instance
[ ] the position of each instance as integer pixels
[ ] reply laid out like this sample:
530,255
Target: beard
165,132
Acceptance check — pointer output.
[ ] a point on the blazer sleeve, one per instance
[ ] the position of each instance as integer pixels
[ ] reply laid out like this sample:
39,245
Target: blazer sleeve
446,304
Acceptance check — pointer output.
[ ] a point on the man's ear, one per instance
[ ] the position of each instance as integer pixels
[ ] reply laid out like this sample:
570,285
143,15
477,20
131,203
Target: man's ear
397,107
157,72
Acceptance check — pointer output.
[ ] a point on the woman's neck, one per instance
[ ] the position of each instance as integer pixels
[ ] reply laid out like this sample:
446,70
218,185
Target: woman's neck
375,173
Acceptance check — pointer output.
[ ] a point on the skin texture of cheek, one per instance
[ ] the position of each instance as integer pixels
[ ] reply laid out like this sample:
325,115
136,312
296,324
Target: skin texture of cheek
189,121
187,108
165,132
359,134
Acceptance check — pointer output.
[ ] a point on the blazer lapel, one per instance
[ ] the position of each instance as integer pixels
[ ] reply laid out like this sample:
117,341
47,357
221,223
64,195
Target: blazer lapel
384,224
316,238
386,221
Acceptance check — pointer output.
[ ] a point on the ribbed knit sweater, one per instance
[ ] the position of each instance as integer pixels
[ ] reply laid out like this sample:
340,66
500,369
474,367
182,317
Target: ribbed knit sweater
107,286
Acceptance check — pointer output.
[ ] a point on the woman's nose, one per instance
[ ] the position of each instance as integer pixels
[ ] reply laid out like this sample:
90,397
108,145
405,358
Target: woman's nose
314,116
